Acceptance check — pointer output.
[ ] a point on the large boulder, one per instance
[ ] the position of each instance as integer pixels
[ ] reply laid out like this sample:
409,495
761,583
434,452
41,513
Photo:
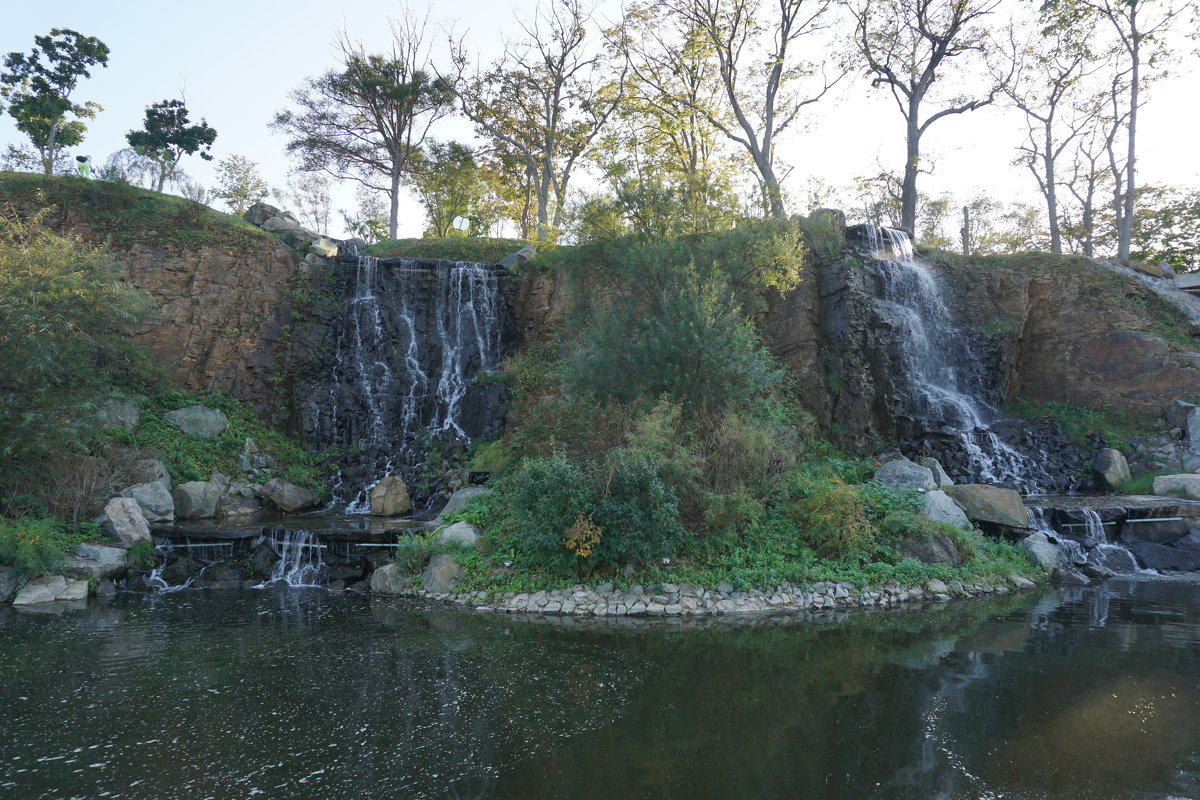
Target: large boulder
940,507
901,473
1111,468
50,588
514,261
390,579
200,421
240,499
155,501
96,561
442,574
325,248
149,470
287,496
259,213
122,519
1041,551
939,474
983,502
1117,559
1165,559
119,412
937,549
389,497
283,222
460,533
1187,485
196,500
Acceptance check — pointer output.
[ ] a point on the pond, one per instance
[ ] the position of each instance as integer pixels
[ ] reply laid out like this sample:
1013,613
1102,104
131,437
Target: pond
1071,693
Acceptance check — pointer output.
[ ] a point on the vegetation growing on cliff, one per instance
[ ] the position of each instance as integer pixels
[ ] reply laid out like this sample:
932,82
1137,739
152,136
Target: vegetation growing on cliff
658,434
125,214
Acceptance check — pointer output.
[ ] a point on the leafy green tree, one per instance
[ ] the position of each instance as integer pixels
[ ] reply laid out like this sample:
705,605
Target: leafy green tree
38,87
166,137
448,182
762,88
239,184
544,102
367,120
127,166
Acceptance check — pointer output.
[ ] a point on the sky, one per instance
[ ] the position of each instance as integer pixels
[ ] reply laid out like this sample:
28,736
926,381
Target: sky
236,63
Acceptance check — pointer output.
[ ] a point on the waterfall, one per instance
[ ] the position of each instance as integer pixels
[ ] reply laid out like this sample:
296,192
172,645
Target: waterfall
204,553
947,391
1095,535
301,559
413,338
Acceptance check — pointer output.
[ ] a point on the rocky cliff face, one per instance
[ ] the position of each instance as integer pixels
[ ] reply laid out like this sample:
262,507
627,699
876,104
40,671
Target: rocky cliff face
1074,332
217,316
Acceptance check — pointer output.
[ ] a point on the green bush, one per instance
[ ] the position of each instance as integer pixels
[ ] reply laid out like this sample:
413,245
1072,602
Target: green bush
141,555
413,552
32,546
575,517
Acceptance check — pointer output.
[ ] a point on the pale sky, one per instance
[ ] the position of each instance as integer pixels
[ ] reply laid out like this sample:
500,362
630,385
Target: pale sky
237,62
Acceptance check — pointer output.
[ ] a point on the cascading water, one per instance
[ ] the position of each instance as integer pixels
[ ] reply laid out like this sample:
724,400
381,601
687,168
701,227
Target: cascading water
947,392
301,559
414,338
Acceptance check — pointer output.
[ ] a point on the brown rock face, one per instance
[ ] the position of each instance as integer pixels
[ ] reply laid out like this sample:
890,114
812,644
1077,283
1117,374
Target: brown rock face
218,315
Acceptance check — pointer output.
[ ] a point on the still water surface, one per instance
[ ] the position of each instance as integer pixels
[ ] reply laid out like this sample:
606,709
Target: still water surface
302,694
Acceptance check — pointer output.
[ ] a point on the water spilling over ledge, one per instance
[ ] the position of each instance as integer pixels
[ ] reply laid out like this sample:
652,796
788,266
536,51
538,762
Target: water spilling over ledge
406,365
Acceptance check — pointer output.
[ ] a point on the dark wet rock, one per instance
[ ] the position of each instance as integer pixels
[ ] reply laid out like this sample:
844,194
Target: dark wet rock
1096,572
1163,558
1068,576
1117,559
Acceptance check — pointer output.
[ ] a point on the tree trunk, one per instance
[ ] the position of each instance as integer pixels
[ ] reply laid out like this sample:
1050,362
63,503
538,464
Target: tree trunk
394,204
1125,219
1052,196
966,231
912,163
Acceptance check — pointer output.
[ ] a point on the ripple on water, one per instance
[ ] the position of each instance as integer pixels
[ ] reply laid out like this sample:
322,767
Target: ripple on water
304,694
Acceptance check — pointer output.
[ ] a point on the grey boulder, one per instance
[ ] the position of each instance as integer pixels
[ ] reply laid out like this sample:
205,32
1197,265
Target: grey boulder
151,470
389,579
442,574
940,507
983,502
389,497
287,496
196,500
156,502
1186,484
122,518
459,533
117,412
1111,468
48,589
904,474
1041,551
200,421
939,474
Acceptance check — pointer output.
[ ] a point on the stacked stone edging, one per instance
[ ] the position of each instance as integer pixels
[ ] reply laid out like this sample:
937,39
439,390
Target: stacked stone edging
671,600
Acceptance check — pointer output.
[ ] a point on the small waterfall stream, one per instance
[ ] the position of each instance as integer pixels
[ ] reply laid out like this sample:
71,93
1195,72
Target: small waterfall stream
947,391
414,338
301,558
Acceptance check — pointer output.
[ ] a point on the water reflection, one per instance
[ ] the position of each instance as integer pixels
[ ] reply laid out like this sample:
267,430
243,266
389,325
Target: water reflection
303,694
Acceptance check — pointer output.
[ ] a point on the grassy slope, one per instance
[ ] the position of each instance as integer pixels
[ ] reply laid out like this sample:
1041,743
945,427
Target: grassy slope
126,214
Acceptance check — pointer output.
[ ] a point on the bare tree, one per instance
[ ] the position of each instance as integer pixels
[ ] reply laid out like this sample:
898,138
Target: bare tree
1138,26
545,100
908,45
761,94
367,120
1042,71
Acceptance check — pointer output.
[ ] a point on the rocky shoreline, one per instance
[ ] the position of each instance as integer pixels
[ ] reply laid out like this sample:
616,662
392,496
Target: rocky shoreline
684,600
